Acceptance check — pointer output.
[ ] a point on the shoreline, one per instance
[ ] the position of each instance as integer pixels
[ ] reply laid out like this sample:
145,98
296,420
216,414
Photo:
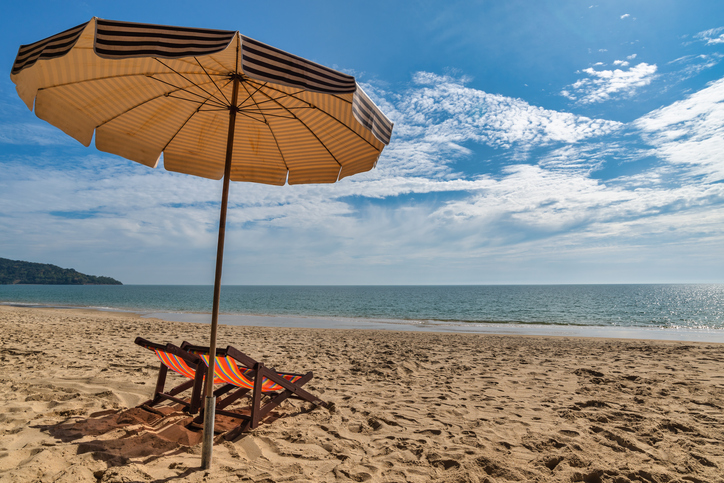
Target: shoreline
707,335
311,322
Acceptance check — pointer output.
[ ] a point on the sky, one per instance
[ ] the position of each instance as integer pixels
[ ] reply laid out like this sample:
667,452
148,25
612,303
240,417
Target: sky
535,142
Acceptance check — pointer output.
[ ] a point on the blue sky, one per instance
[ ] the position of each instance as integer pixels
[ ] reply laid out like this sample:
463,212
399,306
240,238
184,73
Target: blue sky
535,142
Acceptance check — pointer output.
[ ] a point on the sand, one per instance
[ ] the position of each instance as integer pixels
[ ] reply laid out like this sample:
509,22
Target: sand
414,407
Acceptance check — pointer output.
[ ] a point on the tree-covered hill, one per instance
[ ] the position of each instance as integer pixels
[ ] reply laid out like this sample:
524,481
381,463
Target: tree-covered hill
19,272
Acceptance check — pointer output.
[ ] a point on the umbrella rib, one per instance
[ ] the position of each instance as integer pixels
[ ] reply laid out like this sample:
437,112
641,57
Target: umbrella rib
294,96
219,107
273,99
180,128
98,79
270,99
311,131
228,102
264,120
265,114
183,89
146,101
258,103
260,112
189,80
252,117
250,95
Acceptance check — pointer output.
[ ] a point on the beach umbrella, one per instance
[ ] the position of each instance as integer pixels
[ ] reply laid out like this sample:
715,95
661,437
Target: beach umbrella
214,103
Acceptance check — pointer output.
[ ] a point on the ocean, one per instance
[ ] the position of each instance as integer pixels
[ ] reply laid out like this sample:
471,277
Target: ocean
675,312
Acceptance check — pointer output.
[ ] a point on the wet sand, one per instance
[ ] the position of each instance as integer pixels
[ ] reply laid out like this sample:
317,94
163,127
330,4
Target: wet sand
408,406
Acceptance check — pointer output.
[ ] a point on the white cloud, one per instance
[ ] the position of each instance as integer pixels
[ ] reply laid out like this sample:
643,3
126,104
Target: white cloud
690,133
604,85
547,203
692,65
625,15
439,114
102,197
711,36
586,158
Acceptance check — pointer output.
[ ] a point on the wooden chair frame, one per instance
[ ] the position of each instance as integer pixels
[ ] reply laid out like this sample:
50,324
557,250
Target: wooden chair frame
259,374
196,383
259,377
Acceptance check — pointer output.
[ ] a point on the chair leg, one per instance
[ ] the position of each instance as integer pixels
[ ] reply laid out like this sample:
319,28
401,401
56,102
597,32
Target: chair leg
259,412
223,390
234,433
195,402
234,396
159,395
179,389
183,362
259,371
284,395
160,383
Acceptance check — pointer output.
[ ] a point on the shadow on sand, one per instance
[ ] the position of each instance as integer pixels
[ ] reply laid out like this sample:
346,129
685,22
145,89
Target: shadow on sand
138,435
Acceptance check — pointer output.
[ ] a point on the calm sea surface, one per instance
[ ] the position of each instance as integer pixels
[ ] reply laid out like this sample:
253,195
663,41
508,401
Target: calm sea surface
606,309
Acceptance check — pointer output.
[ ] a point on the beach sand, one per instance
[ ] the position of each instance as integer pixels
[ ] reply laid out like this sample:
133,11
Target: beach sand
408,406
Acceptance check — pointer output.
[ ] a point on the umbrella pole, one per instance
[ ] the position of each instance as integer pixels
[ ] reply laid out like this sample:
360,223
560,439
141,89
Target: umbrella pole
210,408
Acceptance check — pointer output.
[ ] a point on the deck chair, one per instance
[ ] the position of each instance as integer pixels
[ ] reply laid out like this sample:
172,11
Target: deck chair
235,371
184,363
268,387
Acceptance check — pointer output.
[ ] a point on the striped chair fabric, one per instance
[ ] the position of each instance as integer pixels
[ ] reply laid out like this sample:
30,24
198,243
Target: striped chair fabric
228,371
178,365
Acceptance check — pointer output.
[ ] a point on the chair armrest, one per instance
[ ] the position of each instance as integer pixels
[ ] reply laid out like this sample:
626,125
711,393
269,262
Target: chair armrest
239,356
169,348
148,344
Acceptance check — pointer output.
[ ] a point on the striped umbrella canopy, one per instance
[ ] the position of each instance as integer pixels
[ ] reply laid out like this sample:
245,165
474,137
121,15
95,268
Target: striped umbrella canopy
214,103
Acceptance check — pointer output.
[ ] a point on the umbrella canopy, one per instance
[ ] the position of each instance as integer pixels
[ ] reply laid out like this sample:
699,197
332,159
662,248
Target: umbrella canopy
214,103
150,89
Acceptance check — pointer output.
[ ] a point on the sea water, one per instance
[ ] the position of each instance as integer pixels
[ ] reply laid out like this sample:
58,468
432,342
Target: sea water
683,312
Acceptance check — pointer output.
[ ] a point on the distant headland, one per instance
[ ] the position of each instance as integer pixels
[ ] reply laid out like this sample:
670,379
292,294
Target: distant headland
18,272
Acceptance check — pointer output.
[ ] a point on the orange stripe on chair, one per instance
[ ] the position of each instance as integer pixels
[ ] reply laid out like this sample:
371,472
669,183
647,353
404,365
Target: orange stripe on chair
218,379
229,372
175,363
232,374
